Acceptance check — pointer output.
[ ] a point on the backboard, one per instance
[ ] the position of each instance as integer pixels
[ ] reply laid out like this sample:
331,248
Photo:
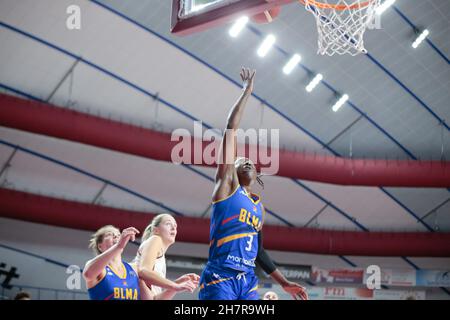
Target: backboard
190,16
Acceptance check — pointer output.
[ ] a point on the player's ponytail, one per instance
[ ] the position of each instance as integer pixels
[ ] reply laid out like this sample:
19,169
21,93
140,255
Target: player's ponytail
148,232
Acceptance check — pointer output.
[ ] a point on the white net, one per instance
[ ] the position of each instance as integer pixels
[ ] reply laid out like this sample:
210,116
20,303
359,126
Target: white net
341,24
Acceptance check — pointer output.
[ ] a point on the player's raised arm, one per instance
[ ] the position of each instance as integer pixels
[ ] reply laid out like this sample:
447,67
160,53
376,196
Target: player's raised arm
226,179
96,266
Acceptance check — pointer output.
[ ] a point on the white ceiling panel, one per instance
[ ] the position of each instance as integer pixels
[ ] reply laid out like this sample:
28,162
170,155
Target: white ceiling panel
329,218
98,94
27,65
138,174
289,200
372,208
431,263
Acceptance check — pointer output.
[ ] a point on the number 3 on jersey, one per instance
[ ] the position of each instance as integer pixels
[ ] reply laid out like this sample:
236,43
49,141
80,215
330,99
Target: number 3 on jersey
249,243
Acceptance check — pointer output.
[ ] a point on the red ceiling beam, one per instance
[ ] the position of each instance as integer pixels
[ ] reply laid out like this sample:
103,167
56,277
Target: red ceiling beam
66,124
69,214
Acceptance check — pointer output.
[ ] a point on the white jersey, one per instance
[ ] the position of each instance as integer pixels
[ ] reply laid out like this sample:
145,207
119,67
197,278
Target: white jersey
159,267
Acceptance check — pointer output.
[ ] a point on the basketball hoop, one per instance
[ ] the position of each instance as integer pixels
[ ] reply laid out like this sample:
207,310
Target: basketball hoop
341,24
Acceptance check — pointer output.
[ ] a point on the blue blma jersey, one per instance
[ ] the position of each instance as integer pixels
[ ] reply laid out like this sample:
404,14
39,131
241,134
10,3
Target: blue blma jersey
114,286
235,223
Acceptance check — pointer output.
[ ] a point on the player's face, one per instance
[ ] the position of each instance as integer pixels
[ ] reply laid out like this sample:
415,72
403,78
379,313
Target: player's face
110,238
167,229
246,170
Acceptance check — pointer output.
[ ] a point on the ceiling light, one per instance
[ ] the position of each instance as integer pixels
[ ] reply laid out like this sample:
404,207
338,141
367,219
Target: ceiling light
292,63
420,38
266,45
238,26
340,103
314,82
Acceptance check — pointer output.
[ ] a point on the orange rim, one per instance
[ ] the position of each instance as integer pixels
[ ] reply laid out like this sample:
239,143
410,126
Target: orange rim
340,7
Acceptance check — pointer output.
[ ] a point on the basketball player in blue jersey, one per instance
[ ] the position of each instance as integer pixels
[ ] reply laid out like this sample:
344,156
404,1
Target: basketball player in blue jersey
236,222
107,276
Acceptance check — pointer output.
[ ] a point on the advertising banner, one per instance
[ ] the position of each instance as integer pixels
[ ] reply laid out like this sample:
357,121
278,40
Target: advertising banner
291,272
398,295
342,293
185,264
432,278
337,276
396,277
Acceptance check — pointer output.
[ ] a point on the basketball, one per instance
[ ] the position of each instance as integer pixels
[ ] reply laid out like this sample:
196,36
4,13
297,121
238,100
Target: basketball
266,16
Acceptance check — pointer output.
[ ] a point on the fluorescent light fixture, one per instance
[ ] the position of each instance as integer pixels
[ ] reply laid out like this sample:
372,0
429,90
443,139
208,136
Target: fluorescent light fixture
238,26
266,45
420,38
314,82
340,103
382,8
292,63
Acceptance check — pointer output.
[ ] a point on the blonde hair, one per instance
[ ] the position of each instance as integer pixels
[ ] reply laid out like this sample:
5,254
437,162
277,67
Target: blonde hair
97,237
155,223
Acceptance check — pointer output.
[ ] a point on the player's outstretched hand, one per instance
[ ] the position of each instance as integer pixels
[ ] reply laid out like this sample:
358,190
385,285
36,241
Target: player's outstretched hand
247,77
127,235
194,278
296,291
186,286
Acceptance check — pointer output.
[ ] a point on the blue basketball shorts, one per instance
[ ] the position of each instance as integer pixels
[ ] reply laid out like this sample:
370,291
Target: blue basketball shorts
227,284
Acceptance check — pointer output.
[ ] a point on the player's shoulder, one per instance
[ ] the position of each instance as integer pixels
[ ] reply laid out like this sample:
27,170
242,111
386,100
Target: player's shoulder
152,241
220,197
